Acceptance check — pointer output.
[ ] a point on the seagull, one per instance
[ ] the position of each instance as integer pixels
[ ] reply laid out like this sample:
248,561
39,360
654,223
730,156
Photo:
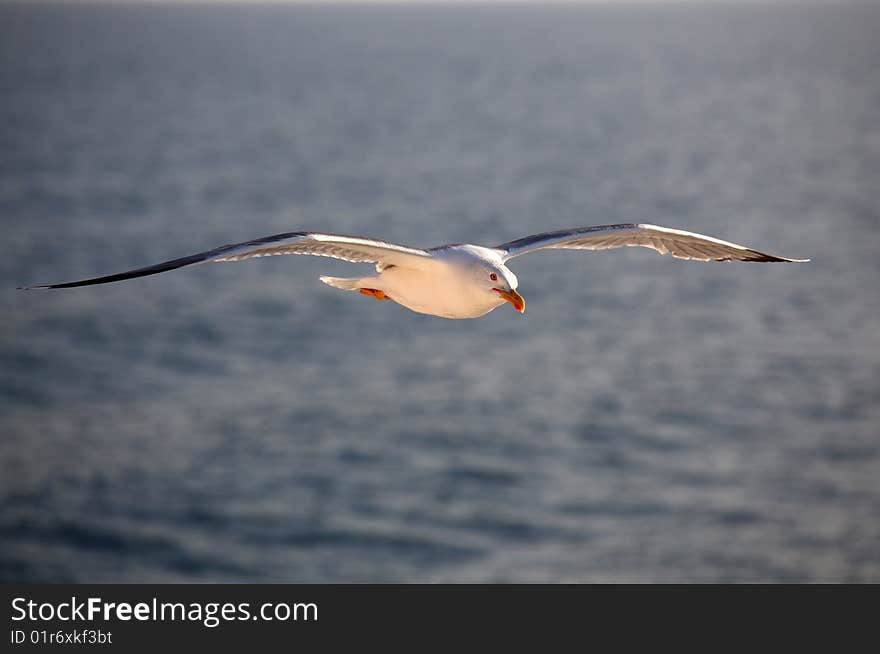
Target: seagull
458,280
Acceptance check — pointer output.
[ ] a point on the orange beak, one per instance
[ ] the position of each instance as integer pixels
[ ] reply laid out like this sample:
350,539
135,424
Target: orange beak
513,297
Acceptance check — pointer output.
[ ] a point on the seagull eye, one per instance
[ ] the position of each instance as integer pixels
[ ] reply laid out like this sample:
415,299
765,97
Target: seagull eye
493,277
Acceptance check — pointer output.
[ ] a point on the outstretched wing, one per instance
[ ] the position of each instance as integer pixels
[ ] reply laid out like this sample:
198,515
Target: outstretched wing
347,248
678,243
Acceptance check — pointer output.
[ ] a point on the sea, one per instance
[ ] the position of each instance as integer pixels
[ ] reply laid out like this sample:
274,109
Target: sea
646,420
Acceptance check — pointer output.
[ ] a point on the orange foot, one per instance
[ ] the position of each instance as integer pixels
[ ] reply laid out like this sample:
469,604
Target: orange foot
376,293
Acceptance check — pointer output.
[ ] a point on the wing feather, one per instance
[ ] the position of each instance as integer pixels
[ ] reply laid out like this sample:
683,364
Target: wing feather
348,248
677,242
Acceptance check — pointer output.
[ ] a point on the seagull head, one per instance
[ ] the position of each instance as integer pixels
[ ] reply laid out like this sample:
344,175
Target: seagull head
503,283
494,281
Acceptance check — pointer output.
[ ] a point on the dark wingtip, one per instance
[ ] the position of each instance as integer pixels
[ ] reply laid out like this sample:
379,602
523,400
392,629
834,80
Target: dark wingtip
771,259
761,257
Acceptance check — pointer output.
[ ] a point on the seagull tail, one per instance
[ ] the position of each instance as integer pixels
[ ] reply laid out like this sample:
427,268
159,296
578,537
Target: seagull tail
345,283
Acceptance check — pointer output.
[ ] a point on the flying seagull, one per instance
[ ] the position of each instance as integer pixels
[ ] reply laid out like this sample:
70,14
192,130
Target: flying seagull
457,280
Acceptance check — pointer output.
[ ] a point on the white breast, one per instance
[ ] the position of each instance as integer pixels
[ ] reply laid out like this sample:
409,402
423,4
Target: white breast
444,292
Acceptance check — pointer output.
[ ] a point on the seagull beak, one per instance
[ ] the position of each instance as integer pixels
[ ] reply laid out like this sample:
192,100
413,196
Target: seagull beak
513,297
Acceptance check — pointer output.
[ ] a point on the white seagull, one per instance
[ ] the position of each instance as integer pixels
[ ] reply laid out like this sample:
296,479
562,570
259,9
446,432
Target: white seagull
456,280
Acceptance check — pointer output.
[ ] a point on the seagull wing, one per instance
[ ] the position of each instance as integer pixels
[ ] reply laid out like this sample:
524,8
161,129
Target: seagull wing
678,243
347,248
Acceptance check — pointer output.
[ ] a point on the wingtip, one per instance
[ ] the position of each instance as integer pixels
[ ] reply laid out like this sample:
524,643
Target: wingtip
772,258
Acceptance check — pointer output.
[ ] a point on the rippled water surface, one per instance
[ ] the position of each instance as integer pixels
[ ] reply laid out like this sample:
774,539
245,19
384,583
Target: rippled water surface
647,419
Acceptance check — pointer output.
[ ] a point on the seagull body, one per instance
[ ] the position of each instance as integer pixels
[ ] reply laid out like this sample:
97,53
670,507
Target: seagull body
457,280
451,287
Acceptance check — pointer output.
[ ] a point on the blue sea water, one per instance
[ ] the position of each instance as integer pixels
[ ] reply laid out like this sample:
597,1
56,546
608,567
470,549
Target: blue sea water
646,420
